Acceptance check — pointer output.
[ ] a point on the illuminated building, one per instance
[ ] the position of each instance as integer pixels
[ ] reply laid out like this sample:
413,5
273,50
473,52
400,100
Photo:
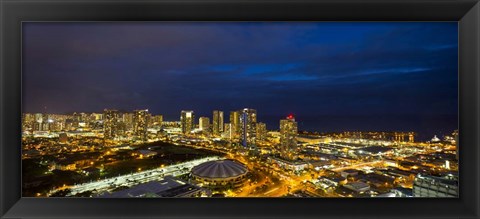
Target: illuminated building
110,123
28,121
402,192
435,187
84,119
76,119
359,187
455,136
204,124
128,121
400,136
157,120
288,135
248,121
220,174
261,131
217,122
435,139
39,122
288,164
227,131
236,126
411,137
167,187
187,120
97,116
140,123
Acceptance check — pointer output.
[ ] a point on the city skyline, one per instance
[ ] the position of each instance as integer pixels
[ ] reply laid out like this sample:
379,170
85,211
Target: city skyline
310,125
240,109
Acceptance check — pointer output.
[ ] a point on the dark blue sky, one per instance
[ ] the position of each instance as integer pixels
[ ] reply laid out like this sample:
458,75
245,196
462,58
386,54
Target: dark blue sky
311,69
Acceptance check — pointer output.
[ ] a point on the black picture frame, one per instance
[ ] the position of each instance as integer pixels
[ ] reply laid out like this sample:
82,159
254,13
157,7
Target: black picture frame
14,12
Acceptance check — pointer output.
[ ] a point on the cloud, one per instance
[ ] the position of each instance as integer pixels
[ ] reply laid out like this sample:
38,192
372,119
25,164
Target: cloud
311,68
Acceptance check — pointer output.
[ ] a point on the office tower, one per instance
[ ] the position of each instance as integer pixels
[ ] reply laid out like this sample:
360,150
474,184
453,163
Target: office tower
110,123
261,131
248,121
204,124
217,122
235,124
187,120
435,187
140,123
288,138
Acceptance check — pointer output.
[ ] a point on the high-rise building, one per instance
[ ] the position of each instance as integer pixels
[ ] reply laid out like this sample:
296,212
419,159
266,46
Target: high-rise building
227,131
28,121
204,124
39,121
110,123
127,119
248,121
187,118
140,123
235,123
288,138
435,187
261,131
217,122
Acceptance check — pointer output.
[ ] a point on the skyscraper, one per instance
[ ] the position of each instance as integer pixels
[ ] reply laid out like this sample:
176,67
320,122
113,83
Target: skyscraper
110,123
261,131
187,118
127,119
28,121
235,124
227,131
38,126
288,138
217,122
248,121
140,123
204,124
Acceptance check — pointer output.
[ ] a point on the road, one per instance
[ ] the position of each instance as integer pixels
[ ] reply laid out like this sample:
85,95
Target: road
372,163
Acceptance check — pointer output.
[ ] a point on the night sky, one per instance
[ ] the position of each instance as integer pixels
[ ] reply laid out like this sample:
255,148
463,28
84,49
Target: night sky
333,76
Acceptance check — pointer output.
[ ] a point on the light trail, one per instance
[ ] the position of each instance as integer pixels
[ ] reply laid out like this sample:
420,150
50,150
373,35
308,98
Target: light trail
273,190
